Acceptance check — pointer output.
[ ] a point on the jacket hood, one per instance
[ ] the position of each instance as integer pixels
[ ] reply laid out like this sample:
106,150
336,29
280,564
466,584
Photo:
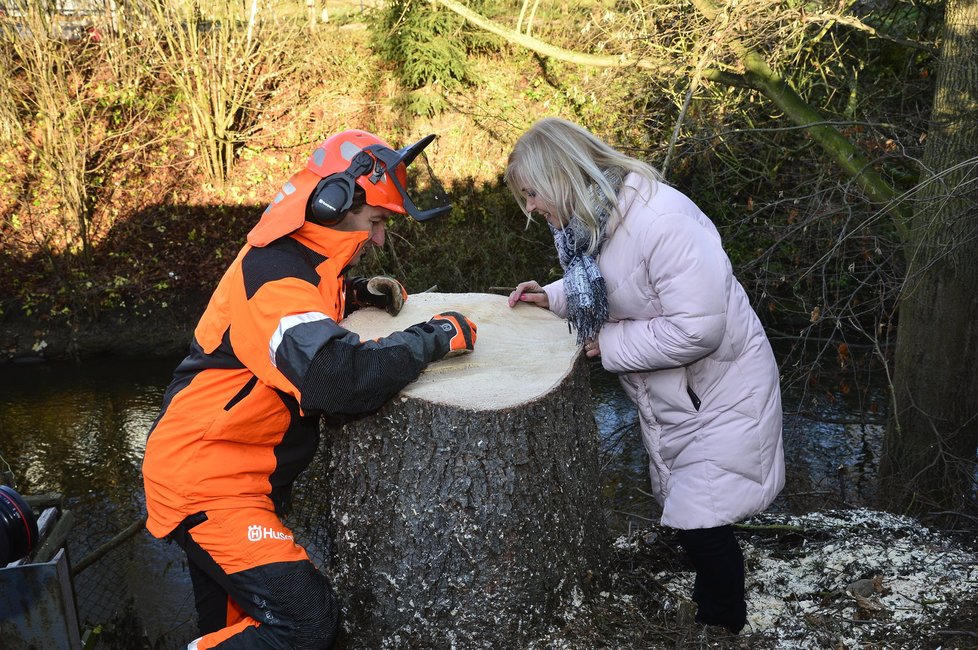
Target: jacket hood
286,215
287,211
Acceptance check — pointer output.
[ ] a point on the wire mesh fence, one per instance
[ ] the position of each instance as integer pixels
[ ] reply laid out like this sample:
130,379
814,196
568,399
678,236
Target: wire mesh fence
135,595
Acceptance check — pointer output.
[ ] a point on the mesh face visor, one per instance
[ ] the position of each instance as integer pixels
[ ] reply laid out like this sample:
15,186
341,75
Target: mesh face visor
429,198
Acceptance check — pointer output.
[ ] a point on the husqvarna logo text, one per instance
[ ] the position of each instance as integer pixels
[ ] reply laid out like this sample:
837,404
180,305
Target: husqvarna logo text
256,534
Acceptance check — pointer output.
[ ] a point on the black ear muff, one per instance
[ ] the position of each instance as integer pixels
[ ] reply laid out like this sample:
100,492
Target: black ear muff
330,200
333,195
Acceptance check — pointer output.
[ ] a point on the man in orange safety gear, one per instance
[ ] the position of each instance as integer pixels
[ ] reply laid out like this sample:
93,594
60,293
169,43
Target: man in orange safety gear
240,420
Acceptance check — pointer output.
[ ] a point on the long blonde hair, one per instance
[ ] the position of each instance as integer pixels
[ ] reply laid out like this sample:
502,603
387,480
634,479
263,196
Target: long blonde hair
560,161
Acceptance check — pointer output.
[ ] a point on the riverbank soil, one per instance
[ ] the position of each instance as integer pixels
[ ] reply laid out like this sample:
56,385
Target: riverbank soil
22,341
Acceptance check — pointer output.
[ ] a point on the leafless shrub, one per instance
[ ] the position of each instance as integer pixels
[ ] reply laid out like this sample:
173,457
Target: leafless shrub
58,103
224,56
49,88
10,127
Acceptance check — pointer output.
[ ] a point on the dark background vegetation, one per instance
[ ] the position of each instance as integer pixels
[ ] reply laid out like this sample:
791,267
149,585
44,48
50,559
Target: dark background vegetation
813,253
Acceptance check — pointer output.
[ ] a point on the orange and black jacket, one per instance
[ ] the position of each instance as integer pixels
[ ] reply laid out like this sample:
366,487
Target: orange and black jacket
240,419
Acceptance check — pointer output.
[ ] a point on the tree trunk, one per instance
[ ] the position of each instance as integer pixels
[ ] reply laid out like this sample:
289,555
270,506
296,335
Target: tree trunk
465,513
929,449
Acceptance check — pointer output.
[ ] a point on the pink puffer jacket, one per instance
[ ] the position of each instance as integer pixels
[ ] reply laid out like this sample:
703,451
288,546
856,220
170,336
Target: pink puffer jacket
691,353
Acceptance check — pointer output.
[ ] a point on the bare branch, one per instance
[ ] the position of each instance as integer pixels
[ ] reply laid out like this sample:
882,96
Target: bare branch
559,53
855,23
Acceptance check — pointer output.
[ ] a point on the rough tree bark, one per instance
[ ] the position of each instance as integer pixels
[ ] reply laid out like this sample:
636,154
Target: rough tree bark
929,448
465,513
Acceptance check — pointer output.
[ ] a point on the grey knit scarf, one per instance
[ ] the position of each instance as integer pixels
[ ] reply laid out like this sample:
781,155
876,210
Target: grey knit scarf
587,297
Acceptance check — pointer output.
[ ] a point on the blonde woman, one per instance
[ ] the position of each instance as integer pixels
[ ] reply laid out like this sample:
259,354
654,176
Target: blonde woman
649,288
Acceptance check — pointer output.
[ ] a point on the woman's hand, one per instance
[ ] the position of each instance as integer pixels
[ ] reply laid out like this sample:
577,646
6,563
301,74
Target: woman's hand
529,292
591,348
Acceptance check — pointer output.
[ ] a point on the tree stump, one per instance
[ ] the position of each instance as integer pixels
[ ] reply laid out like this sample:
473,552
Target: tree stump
466,513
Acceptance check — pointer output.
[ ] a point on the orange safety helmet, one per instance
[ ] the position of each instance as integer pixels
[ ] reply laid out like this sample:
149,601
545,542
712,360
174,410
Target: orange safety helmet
323,191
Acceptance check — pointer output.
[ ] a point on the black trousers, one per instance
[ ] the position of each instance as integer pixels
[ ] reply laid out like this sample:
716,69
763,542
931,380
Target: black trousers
719,587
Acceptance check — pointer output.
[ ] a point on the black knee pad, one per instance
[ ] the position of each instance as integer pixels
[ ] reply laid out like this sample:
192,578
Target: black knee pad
294,603
310,602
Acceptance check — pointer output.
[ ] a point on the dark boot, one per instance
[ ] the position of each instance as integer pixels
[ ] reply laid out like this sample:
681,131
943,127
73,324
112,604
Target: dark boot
719,587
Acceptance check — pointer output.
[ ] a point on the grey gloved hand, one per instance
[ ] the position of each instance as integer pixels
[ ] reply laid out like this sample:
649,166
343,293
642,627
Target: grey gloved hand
392,292
381,291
